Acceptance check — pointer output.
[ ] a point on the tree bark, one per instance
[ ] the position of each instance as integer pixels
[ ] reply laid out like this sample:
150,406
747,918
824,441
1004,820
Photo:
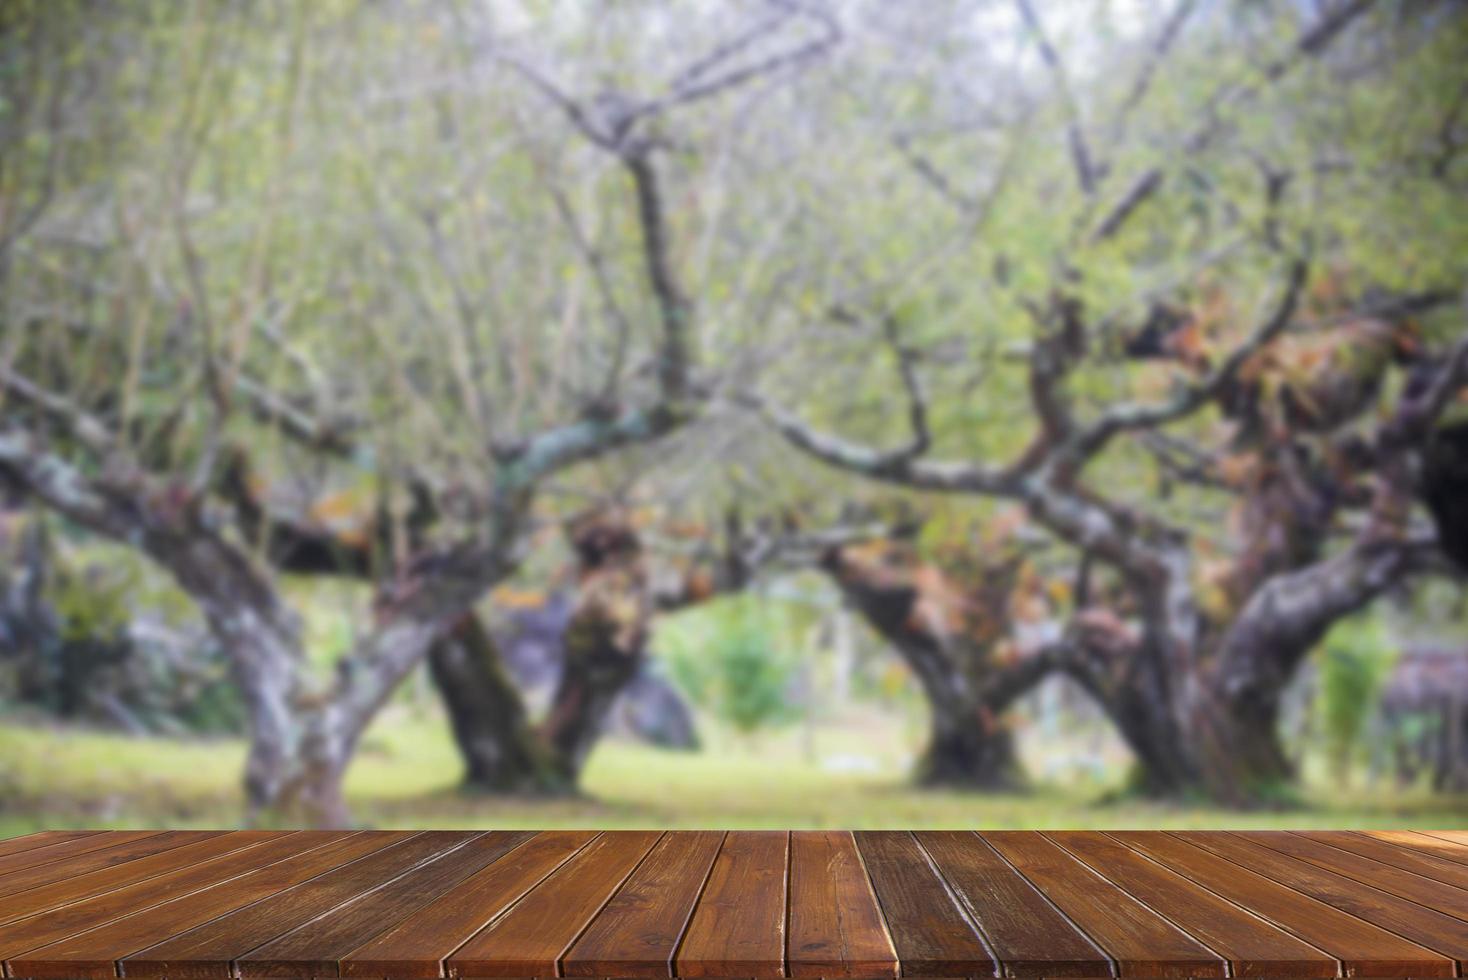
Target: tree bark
969,751
501,753
605,642
595,673
946,637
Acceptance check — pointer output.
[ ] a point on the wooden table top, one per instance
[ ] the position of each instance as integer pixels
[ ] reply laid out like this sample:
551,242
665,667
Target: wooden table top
399,904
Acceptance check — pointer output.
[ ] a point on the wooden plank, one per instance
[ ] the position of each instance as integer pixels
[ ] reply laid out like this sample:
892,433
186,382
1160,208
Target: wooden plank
1363,949
1459,837
1419,842
1431,892
404,906
92,953
51,923
127,847
932,935
637,932
835,927
75,889
53,853
417,946
1138,940
1432,929
210,950
1027,934
41,838
1253,947
738,928
530,938
313,949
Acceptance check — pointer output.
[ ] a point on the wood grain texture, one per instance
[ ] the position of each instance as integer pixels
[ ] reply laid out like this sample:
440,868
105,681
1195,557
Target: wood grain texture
53,923
41,838
1431,892
1363,949
1390,848
93,952
1418,842
130,848
211,949
637,933
931,933
1459,837
1140,942
196,854
313,949
738,928
1027,934
1428,927
252,905
418,945
835,924
1253,947
530,938
52,854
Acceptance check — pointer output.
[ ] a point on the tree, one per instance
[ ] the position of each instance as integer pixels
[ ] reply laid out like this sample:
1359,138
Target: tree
121,403
1194,690
953,630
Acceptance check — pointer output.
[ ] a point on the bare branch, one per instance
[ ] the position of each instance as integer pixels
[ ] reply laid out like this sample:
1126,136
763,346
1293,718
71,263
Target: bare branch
81,424
1156,55
730,48
598,265
1138,193
891,466
1080,152
692,89
272,409
1145,185
1318,37
935,178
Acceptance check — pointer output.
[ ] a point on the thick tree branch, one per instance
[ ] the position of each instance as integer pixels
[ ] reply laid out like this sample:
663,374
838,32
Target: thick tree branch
272,409
1131,417
674,309
890,466
77,422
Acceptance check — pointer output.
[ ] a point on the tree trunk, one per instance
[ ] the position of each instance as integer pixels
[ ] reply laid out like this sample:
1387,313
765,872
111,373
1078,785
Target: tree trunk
972,750
597,669
605,641
265,655
1144,713
501,752
945,637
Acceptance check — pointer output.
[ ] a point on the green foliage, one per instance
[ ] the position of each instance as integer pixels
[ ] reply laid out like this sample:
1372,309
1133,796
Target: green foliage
1353,664
734,659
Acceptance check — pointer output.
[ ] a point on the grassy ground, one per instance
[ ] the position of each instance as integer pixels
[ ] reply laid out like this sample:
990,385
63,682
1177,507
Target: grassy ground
842,775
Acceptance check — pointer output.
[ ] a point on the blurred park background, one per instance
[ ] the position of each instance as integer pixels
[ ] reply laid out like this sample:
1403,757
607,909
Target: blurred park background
845,413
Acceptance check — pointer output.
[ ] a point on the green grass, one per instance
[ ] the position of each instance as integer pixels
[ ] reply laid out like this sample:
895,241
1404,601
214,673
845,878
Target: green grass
407,774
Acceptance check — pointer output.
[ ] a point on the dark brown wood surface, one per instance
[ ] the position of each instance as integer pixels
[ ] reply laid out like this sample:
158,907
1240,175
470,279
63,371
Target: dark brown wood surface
804,904
1142,942
528,940
738,927
637,933
835,925
932,934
